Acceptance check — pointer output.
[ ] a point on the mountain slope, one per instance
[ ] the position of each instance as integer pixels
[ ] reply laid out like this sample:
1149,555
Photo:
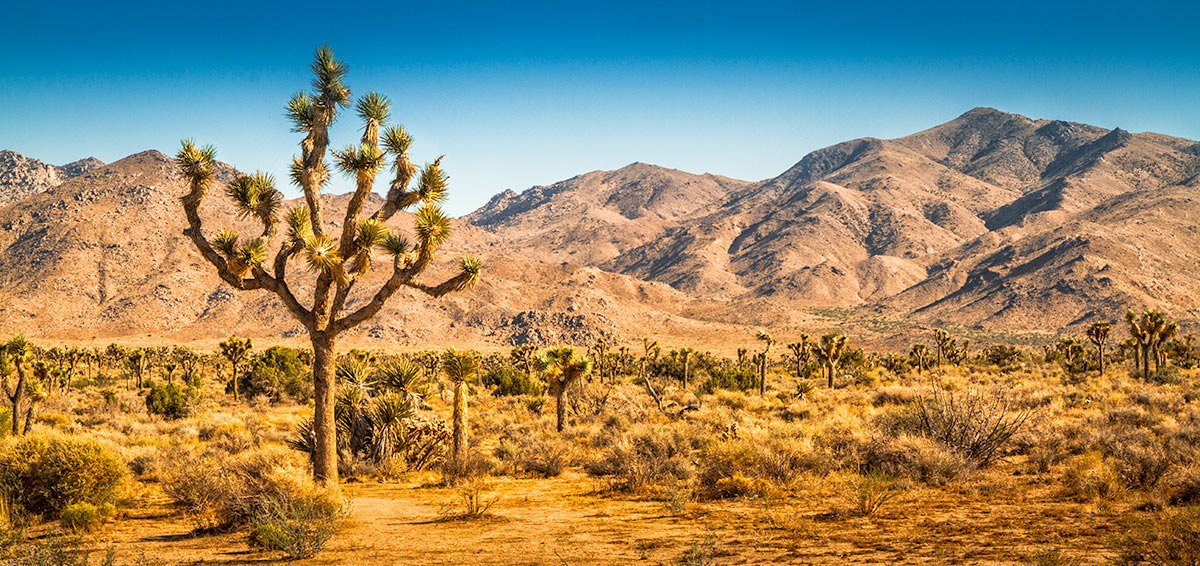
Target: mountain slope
21,177
594,217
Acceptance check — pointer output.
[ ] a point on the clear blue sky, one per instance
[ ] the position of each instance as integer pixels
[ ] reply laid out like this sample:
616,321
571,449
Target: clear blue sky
530,93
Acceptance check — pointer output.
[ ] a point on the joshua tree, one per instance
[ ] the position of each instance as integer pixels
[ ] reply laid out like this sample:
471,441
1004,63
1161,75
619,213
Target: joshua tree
762,362
525,355
459,367
339,262
600,348
801,351
563,367
235,350
1071,350
920,354
1098,333
944,344
829,352
686,354
741,357
13,358
1150,331
137,365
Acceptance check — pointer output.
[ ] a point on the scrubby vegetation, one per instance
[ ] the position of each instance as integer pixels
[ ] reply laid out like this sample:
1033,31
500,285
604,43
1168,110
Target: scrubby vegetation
893,429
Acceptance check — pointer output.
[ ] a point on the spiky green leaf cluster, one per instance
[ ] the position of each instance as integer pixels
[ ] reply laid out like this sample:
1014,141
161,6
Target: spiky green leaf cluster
459,366
321,255
363,159
299,223
225,242
373,107
432,226
395,244
196,162
400,376
301,110
328,76
256,195
470,267
370,233
432,186
397,140
252,254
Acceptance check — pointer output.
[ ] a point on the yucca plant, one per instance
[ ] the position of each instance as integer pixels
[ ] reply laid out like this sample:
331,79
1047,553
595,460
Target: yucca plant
1098,333
459,367
562,366
768,341
339,261
829,353
236,350
14,357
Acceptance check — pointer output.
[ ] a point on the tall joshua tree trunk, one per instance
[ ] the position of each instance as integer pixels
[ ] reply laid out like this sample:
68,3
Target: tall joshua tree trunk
325,459
338,262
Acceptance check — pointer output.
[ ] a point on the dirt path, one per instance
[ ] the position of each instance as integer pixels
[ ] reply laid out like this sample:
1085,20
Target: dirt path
569,521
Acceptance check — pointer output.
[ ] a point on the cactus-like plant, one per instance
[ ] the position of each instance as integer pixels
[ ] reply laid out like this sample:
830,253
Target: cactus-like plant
767,341
562,366
339,262
14,356
459,367
829,352
1098,333
236,350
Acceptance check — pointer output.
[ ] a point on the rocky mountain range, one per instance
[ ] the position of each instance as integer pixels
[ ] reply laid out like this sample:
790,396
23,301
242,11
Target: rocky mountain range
21,177
991,221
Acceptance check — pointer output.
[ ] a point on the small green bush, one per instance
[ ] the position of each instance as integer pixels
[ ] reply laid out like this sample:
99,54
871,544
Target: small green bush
732,379
85,518
299,526
278,373
506,381
46,474
168,401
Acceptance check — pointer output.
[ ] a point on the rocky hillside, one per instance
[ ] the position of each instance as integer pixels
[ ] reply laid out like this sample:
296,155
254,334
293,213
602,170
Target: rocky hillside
597,216
103,256
992,220
21,176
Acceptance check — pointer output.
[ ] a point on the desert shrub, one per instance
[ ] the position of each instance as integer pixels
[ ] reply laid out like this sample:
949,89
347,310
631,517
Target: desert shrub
975,425
868,493
545,455
729,469
647,457
278,373
168,401
1002,356
1089,477
298,524
472,464
471,500
1170,539
731,379
916,458
220,491
1141,460
1184,486
1131,417
5,422
506,381
85,517
46,474
894,395
55,419
58,550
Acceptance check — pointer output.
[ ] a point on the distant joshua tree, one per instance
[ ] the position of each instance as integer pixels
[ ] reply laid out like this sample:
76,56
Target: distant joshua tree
768,341
339,262
459,367
920,356
829,353
801,352
1150,332
236,350
1098,333
14,357
562,367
